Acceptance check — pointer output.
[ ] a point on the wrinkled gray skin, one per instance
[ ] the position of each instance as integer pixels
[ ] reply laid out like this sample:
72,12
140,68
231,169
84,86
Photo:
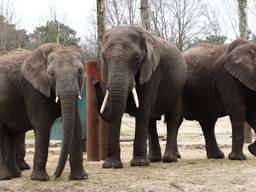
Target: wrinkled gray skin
29,83
134,57
222,81
20,142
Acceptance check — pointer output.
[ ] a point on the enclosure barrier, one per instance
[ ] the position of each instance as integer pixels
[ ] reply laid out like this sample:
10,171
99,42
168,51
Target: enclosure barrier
96,127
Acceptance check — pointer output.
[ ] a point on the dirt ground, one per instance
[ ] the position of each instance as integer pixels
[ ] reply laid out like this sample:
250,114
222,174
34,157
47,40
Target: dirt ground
194,172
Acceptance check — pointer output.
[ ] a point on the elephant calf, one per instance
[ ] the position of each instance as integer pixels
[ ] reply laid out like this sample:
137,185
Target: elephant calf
144,76
36,87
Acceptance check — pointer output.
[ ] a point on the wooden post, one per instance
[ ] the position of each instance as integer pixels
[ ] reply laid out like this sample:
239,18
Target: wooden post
91,113
145,14
96,128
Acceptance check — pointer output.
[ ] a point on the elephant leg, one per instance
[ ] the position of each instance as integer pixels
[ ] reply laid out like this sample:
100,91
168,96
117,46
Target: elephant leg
235,107
11,155
5,173
76,154
212,149
140,142
113,159
250,118
154,154
21,152
42,137
172,120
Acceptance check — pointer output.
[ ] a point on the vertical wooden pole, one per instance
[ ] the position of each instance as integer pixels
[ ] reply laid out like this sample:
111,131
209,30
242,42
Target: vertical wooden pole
96,127
92,113
144,7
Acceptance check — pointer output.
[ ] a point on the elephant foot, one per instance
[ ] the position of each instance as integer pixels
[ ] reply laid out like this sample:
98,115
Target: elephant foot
78,175
40,175
154,156
111,162
5,175
215,154
23,165
237,156
169,158
139,161
178,155
252,149
16,172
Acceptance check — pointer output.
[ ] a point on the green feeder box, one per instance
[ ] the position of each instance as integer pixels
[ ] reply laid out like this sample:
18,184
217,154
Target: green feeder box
57,131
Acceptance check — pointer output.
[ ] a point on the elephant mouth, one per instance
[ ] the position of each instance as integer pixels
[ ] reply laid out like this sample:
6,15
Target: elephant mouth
105,100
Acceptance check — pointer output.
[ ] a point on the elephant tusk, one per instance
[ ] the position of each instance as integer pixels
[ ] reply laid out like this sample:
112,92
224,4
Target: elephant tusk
79,97
56,99
103,106
135,97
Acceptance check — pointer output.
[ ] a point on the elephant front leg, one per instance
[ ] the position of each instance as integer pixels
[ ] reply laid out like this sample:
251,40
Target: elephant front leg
140,142
212,149
113,159
154,154
42,135
76,154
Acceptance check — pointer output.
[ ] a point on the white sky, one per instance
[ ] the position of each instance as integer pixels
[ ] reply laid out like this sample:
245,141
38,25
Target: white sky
32,13
75,13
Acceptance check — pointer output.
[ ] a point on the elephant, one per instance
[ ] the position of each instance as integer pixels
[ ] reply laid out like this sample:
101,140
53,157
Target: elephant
144,76
20,143
36,88
220,82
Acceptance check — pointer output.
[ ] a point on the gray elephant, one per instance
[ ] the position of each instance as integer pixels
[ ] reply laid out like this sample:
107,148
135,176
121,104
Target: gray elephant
20,142
37,87
221,81
144,76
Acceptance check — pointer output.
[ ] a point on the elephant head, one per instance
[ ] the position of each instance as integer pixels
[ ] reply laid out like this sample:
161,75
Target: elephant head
56,71
127,52
240,62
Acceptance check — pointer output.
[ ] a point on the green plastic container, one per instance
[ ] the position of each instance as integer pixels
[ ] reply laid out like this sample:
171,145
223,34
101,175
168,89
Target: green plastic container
57,131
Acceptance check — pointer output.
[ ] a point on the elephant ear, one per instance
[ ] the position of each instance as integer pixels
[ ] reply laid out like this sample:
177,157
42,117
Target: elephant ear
152,59
241,63
34,68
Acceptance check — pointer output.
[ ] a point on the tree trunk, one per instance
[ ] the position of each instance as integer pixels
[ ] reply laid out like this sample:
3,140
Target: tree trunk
100,23
242,12
144,7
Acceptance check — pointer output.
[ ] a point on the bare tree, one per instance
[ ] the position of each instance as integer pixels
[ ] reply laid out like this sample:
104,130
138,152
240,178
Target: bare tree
122,12
242,10
145,14
100,23
179,21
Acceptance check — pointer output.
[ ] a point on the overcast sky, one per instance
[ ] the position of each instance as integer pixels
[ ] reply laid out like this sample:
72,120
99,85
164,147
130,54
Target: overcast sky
32,13
75,13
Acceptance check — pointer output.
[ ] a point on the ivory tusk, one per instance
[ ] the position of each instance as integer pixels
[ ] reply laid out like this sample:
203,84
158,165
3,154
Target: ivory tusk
79,97
56,99
135,97
103,106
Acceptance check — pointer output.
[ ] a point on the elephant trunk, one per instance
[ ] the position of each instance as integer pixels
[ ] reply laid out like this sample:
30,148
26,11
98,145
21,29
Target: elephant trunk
118,86
68,90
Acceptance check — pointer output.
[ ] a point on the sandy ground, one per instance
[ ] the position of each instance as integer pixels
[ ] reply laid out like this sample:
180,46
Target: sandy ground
194,172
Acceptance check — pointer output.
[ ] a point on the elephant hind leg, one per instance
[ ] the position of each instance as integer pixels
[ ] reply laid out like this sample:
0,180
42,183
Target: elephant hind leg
212,149
154,154
8,166
173,120
252,122
21,152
